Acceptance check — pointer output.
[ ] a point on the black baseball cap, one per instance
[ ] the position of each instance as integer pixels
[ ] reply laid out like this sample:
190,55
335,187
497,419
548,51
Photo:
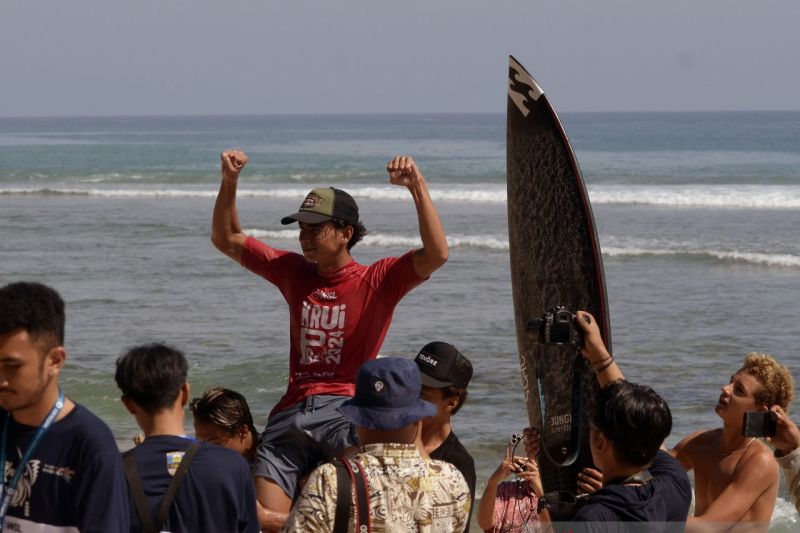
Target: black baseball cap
442,365
321,205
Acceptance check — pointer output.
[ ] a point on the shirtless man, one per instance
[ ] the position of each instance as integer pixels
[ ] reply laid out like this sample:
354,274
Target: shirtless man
339,313
736,477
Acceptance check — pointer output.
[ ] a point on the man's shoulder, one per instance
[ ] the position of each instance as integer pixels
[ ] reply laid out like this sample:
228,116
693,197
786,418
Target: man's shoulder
453,451
384,263
596,511
210,462
81,425
760,458
445,470
698,443
221,462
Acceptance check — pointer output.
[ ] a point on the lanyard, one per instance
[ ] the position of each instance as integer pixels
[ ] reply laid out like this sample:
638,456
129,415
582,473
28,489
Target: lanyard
7,491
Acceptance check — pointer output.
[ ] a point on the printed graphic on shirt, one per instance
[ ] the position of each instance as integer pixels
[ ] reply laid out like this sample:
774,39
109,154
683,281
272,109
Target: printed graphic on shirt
174,461
33,469
29,476
322,334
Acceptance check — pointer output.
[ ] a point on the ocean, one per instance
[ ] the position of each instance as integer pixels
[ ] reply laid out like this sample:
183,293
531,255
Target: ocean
697,215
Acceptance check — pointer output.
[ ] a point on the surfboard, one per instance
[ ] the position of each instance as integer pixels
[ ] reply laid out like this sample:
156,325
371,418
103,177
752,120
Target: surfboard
555,261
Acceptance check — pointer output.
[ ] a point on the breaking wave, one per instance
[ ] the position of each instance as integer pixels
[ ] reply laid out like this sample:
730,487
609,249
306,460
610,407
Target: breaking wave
693,196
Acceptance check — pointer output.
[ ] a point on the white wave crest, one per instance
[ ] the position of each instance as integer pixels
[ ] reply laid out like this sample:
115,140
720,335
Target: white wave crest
693,196
741,196
385,240
756,258
784,513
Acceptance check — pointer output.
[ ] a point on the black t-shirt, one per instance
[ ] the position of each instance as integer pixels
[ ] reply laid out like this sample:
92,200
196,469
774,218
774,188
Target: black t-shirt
452,451
217,493
664,499
73,481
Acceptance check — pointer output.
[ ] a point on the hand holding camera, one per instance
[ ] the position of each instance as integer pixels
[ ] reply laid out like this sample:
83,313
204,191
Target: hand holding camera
787,435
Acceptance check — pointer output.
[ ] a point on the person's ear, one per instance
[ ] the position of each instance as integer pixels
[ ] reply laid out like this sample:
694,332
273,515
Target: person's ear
452,403
184,394
347,234
129,405
54,360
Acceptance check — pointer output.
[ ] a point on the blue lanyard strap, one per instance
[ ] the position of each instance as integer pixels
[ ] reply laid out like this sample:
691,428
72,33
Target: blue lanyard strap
7,491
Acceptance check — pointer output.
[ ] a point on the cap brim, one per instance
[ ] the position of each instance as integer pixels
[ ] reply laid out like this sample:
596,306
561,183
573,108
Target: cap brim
305,217
386,418
434,383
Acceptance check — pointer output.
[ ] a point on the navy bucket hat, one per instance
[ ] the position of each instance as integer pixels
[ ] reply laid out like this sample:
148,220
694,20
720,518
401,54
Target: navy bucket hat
387,395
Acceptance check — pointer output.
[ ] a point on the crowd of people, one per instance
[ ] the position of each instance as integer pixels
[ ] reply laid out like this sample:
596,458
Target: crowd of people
357,443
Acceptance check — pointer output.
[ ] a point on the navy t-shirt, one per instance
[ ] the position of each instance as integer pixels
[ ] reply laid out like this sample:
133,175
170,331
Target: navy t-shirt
74,480
217,493
664,499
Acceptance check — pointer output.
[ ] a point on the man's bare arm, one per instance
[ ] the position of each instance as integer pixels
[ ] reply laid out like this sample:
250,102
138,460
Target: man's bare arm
758,473
434,252
594,350
226,231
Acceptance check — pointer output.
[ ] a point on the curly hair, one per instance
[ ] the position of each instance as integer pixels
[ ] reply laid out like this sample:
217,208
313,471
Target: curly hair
776,380
358,230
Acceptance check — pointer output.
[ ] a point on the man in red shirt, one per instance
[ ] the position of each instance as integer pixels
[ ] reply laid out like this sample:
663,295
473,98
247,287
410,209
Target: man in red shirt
328,294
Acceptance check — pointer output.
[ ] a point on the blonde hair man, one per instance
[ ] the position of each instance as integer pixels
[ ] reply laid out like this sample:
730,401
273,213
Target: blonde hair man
736,477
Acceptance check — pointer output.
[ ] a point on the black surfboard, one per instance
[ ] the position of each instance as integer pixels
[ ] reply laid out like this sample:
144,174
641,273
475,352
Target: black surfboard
555,261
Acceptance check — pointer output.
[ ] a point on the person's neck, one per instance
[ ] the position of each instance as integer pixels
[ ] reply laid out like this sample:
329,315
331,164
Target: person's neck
251,444
434,435
335,263
35,414
164,422
731,439
620,472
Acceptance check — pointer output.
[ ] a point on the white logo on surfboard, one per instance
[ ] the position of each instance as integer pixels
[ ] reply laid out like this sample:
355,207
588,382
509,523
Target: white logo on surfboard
522,87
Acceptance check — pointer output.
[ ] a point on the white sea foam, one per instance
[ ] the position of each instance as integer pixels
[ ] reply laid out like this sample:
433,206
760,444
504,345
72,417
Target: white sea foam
784,513
695,196
388,240
500,243
756,258
727,196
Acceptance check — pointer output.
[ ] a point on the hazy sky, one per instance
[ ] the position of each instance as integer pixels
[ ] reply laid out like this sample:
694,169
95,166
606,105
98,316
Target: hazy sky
149,57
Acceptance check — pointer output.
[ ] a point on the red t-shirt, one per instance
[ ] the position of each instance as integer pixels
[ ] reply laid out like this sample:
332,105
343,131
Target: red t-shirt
337,321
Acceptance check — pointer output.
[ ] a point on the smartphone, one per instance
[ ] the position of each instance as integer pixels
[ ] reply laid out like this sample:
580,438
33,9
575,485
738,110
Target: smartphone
759,424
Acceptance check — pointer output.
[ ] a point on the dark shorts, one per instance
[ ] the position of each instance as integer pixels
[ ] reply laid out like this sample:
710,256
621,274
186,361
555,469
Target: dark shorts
301,438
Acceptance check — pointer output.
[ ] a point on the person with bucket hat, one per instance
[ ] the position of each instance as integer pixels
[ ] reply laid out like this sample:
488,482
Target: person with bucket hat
445,374
402,490
339,313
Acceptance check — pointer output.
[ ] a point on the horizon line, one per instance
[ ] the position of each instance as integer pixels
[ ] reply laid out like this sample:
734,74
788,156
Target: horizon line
367,113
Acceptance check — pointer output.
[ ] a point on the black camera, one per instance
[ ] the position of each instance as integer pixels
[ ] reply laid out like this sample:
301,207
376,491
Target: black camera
759,424
556,326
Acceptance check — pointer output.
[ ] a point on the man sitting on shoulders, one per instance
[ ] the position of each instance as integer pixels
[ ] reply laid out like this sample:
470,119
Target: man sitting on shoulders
736,477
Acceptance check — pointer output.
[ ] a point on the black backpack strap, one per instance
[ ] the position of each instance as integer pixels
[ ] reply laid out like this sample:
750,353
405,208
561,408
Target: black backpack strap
343,497
137,492
169,497
137,489
359,478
